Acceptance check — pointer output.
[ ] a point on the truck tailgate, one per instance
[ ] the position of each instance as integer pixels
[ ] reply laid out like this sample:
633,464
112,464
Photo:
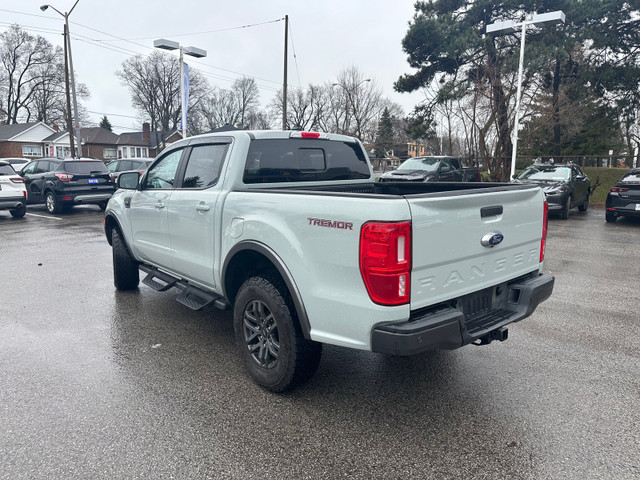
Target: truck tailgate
449,258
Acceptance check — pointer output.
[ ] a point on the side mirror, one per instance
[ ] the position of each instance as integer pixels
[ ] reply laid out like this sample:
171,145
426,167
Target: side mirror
128,181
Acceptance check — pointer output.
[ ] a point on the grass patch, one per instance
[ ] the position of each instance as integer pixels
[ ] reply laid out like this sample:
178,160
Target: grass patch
607,178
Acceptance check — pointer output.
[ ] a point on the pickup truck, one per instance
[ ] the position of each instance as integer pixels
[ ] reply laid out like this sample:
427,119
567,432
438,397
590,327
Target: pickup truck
432,169
291,231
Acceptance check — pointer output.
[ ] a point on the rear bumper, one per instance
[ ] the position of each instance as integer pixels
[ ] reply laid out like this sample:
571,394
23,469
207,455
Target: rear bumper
9,203
92,198
445,327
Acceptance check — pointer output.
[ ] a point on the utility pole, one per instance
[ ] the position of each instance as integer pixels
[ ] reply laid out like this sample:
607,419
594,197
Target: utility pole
284,83
66,84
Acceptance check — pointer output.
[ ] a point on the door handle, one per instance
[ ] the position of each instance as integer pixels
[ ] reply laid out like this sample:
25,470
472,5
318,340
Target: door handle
159,205
203,208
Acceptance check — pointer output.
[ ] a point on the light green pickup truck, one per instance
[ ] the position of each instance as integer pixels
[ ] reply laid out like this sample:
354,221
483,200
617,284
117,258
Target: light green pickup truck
291,230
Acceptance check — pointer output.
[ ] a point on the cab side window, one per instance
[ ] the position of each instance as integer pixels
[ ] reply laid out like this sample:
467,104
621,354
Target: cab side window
163,173
204,166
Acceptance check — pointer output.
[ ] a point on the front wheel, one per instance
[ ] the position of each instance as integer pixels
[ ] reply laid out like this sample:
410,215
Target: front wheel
269,337
126,275
52,204
18,212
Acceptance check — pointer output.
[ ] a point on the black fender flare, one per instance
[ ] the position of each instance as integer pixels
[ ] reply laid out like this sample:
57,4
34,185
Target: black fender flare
282,269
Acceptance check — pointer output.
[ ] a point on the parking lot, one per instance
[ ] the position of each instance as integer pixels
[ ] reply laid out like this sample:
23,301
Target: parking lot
97,383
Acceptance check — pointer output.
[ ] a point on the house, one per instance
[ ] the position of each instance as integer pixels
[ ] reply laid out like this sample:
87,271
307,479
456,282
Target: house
410,150
130,142
97,142
23,139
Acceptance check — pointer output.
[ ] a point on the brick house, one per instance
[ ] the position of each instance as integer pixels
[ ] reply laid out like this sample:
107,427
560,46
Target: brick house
23,139
155,141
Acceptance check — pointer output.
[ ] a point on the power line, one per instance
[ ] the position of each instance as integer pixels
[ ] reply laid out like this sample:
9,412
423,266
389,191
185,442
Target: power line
295,57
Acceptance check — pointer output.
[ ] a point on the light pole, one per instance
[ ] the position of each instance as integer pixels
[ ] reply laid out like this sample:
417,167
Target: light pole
76,123
349,99
184,89
510,26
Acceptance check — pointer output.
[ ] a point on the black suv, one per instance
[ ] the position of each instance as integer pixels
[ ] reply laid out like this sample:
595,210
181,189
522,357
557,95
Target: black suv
61,184
565,184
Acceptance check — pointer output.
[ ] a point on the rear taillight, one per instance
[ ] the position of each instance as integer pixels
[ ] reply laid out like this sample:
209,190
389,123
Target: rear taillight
64,177
385,261
17,179
545,226
619,189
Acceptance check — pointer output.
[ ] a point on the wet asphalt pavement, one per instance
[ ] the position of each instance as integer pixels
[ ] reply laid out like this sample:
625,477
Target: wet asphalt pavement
96,383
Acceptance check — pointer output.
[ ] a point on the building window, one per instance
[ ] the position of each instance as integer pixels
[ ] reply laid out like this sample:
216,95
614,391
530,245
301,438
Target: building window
31,151
124,152
138,152
132,151
109,153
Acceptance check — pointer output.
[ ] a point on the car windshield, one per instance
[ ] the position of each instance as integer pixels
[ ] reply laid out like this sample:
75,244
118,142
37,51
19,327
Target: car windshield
631,177
85,167
7,170
427,164
546,173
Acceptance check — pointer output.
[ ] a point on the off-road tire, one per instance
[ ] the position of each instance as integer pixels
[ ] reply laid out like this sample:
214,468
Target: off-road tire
126,275
18,212
52,204
610,217
268,335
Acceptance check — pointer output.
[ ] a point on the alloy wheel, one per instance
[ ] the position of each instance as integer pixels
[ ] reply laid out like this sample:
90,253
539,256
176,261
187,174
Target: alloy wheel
260,331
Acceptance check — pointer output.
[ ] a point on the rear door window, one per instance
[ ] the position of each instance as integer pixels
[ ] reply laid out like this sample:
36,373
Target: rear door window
204,165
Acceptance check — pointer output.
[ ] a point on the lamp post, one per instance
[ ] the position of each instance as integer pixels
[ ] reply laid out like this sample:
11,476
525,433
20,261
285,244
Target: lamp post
510,26
349,98
192,51
76,122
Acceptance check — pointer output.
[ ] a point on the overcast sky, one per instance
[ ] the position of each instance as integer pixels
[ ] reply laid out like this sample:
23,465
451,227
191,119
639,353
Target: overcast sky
325,37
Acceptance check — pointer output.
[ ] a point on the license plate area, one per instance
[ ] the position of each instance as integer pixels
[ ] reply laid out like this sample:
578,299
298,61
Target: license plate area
92,180
637,206
485,308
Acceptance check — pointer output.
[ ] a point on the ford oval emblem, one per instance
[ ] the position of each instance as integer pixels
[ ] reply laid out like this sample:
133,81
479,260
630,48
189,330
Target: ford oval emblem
492,239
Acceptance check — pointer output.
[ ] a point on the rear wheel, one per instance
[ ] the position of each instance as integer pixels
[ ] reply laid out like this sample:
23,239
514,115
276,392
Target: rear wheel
18,212
565,211
610,217
126,275
269,337
585,205
52,204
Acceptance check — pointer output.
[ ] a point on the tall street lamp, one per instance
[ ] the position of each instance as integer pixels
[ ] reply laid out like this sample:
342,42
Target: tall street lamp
537,20
67,36
349,98
184,78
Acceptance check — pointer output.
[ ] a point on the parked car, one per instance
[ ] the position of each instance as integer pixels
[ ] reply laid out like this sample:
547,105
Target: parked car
623,200
128,165
566,186
16,162
13,195
432,169
291,231
61,184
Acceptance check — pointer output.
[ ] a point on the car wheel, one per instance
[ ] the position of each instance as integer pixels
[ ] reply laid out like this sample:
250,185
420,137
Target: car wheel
18,212
585,205
269,337
126,275
103,205
565,211
610,217
53,206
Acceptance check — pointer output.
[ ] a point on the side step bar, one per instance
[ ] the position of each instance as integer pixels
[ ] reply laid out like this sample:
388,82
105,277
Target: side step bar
191,296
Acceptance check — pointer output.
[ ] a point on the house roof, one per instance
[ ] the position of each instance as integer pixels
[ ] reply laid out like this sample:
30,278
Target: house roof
98,135
134,139
7,132
161,136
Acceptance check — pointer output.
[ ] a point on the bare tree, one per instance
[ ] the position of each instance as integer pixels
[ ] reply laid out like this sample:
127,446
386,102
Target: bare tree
221,108
305,107
154,83
25,62
248,97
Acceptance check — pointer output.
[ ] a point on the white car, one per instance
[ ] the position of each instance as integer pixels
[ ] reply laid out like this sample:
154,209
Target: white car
16,162
13,194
